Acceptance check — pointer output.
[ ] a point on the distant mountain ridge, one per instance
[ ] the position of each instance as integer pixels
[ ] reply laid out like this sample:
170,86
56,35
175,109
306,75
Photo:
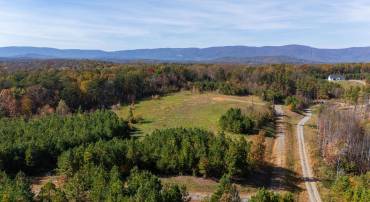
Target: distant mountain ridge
227,54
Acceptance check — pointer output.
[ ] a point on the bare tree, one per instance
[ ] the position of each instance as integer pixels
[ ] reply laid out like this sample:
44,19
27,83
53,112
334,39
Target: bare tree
343,139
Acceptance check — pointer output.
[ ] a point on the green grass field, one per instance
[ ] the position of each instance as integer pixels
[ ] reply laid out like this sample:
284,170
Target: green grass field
185,109
346,84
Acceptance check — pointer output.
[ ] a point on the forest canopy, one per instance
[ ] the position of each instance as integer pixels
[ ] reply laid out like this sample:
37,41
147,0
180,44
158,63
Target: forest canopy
89,85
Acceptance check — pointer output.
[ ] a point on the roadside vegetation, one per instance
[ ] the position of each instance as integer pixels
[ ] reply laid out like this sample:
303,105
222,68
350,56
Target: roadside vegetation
269,196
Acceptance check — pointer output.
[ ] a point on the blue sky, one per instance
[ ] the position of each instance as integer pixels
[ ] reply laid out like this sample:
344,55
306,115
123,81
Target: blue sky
133,24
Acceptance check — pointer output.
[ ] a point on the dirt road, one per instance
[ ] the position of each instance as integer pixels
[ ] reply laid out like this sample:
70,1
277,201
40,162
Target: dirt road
308,177
278,152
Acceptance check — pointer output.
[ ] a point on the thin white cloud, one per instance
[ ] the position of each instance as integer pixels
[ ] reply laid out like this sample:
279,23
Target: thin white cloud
117,24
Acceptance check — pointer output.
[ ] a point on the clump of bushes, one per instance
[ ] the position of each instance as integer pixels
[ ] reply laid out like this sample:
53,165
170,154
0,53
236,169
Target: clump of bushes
17,189
252,121
144,186
235,121
220,87
295,103
231,89
93,183
226,191
263,195
352,188
272,96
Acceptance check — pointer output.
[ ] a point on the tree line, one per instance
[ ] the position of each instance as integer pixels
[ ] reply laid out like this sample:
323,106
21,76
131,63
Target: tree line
89,85
167,152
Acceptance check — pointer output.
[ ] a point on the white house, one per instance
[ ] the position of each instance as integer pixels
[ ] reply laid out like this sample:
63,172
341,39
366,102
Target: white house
336,77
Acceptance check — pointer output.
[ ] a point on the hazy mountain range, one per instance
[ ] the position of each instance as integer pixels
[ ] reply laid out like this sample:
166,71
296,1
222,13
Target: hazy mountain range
226,54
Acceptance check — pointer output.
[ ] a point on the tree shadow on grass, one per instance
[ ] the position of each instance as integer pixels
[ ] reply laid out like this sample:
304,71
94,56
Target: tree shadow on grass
136,132
144,121
272,177
270,129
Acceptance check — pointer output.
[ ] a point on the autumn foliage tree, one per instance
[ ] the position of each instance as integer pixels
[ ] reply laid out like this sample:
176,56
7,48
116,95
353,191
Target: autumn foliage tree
89,85
344,142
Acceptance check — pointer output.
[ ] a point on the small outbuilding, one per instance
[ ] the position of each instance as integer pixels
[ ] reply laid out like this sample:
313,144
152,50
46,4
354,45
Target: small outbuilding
336,77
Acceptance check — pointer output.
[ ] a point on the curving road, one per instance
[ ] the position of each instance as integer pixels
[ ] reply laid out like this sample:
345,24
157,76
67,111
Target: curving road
308,177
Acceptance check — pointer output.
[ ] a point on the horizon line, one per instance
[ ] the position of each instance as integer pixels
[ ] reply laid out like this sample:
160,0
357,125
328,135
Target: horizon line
225,46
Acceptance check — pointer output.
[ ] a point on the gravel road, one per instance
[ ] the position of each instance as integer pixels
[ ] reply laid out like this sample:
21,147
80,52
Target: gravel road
308,177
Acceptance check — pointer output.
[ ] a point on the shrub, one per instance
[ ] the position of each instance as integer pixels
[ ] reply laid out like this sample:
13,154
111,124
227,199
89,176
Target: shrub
226,191
231,89
295,103
144,186
272,96
355,188
234,121
17,189
264,195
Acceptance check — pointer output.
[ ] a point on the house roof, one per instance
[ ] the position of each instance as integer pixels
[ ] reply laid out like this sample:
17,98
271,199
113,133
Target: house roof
336,76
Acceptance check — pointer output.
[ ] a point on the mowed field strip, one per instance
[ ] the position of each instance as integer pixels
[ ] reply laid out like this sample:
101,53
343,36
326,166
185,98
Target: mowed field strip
186,109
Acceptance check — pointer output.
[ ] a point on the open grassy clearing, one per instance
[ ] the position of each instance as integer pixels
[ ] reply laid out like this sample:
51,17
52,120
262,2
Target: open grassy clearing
186,109
346,84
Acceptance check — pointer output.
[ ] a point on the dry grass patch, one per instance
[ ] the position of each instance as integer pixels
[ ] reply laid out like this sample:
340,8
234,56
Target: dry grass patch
39,182
204,186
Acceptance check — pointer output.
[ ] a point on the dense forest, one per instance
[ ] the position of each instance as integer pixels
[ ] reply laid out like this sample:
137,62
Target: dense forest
167,151
88,85
54,117
34,145
93,152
